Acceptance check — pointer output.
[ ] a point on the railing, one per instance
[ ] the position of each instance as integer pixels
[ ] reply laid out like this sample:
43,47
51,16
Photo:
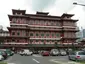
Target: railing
14,43
54,29
4,34
75,29
46,38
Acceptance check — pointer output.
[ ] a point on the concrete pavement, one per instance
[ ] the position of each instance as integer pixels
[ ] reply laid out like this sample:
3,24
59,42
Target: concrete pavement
38,59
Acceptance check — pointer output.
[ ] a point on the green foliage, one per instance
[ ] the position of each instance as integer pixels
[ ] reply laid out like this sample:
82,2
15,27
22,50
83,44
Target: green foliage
3,62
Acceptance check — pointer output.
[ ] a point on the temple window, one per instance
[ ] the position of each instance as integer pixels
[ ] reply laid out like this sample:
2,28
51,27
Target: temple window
31,34
42,34
14,20
13,33
18,33
47,34
37,34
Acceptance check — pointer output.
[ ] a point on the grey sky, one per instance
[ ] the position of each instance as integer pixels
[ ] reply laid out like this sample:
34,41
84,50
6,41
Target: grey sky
54,7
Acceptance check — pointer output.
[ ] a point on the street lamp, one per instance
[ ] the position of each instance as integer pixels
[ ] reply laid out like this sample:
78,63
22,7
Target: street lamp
75,3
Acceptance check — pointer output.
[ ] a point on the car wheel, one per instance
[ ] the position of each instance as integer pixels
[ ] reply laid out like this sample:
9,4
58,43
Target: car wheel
21,54
31,54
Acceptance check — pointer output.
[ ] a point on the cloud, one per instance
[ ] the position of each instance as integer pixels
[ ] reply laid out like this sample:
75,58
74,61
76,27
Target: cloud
55,7
40,5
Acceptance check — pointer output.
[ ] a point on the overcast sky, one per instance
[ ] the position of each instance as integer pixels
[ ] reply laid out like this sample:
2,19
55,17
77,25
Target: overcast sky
54,7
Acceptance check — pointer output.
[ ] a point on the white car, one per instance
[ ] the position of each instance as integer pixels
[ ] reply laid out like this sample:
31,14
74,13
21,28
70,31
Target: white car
54,52
63,52
1,58
26,52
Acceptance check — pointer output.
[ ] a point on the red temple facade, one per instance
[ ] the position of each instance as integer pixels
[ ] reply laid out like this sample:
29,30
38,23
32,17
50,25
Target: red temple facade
40,30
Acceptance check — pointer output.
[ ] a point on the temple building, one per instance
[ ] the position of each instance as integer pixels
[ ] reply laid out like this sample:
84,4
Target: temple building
40,30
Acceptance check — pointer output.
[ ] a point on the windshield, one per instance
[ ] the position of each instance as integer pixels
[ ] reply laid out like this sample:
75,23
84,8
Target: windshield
81,53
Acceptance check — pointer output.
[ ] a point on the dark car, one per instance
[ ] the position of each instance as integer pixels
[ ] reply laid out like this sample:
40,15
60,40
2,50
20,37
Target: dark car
9,52
45,53
35,52
4,54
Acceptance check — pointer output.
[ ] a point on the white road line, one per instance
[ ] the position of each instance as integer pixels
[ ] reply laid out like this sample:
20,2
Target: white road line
73,63
11,63
59,62
37,56
53,60
35,60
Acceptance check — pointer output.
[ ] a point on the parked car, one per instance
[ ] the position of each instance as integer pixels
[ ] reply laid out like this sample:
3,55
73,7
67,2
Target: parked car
1,58
26,52
4,54
35,52
77,55
54,52
9,52
63,52
45,53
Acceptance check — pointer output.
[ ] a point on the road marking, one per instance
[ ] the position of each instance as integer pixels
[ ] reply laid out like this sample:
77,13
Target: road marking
53,60
37,56
10,63
35,60
73,63
61,62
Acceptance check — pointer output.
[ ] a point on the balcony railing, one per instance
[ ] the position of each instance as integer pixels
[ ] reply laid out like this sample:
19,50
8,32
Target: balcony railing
54,29
18,28
45,38
16,36
66,37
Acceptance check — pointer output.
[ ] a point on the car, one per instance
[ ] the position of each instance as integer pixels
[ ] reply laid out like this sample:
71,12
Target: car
76,55
54,52
35,52
4,54
9,52
26,52
45,53
63,52
1,58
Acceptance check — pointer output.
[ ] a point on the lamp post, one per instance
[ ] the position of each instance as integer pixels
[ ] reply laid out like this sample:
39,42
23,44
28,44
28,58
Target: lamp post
75,3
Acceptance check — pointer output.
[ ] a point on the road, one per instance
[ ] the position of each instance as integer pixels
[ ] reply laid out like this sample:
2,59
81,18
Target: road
38,59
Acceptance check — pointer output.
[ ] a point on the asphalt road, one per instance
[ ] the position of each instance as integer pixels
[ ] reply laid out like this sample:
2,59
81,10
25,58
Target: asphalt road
38,59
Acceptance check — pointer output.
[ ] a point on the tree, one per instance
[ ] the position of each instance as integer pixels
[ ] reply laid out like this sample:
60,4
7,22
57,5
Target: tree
56,44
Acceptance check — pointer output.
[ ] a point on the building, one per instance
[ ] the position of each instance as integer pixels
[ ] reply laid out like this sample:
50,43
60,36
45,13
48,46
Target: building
3,34
40,30
83,38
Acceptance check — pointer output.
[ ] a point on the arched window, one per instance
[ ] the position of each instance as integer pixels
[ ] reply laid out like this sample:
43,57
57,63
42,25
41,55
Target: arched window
42,34
13,33
31,34
37,34
57,34
47,34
